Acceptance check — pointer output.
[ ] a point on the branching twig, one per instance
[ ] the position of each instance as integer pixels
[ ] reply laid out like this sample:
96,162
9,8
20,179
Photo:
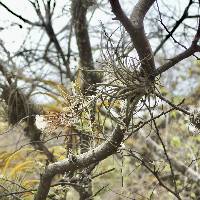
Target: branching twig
20,17
178,23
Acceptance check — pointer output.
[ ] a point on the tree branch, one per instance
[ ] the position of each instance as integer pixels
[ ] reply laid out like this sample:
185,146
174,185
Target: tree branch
79,11
76,162
173,61
135,27
185,54
177,24
47,24
20,17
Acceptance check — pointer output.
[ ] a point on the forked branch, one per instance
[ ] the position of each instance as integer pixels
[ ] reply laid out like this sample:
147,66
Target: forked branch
135,27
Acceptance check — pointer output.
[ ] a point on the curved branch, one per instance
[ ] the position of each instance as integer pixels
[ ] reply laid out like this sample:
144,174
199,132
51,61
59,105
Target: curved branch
185,54
173,61
135,27
76,162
